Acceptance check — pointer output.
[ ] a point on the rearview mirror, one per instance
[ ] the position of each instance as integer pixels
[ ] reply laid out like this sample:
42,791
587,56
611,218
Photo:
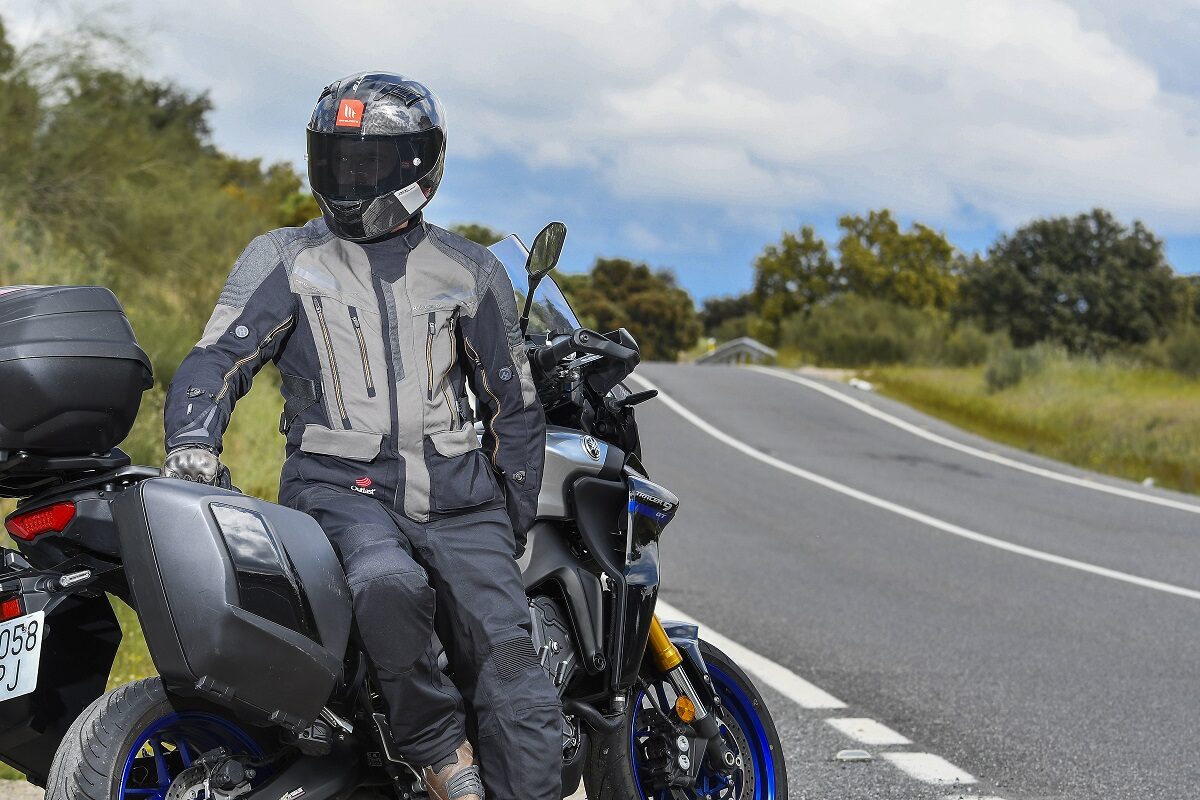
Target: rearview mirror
547,248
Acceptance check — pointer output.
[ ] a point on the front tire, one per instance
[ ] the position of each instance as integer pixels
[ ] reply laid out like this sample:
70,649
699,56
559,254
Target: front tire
133,740
612,771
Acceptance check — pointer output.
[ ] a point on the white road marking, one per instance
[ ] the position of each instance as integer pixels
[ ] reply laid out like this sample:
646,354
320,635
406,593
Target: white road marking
922,766
929,768
777,676
917,516
916,430
867,731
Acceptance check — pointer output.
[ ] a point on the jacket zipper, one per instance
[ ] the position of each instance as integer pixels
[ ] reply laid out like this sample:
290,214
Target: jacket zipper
337,383
241,361
429,349
362,351
487,388
454,418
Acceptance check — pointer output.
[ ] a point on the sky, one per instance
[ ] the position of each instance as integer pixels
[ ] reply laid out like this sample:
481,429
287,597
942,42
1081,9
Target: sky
690,134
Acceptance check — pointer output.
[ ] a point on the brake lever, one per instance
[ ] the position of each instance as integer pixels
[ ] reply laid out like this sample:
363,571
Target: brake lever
632,400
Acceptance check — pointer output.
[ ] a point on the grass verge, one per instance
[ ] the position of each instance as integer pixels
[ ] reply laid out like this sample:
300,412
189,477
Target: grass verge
1130,422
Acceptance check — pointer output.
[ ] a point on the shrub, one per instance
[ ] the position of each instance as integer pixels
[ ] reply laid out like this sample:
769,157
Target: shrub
1183,351
853,332
733,328
1007,367
968,345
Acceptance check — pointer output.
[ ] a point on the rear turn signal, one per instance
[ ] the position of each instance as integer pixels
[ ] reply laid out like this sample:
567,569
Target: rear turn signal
30,524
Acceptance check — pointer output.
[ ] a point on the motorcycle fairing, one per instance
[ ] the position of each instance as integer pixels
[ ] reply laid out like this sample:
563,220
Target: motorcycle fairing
601,513
547,558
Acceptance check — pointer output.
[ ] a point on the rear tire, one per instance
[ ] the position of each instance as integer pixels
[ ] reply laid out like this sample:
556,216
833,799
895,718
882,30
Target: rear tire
611,769
91,762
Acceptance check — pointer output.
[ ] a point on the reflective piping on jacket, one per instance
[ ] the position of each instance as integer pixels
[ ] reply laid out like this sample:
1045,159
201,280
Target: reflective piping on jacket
337,383
243,361
487,388
362,350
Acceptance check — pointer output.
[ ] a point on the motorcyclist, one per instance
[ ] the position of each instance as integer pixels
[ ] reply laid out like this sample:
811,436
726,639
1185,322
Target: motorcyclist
378,321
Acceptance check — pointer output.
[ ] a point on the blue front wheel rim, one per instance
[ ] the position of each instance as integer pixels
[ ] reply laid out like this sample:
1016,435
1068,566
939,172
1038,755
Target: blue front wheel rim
170,744
745,734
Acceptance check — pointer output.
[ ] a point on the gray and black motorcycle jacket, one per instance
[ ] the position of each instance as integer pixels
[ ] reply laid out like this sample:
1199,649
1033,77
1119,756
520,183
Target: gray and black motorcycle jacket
376,343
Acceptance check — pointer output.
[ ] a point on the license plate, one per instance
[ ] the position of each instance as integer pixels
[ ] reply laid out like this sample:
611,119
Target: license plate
20,652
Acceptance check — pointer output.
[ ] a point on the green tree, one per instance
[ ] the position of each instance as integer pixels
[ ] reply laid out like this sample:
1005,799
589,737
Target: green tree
7,53
121,170
479,234
719,310
620,293
917,269
1086,282
790,277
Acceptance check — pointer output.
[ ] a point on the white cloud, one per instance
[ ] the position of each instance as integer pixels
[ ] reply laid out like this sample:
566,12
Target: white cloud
1010,107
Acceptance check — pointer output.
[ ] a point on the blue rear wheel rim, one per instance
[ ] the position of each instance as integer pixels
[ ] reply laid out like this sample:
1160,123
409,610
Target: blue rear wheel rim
168,746
749,741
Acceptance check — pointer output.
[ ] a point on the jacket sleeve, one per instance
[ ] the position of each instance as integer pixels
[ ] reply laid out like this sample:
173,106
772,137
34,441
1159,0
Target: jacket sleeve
514,424
254,315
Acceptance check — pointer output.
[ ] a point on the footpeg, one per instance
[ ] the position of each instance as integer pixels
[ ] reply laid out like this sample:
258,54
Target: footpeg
316,739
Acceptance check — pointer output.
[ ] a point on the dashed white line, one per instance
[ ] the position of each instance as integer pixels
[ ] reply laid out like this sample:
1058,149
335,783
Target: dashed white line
777,676
917,516
930,768
921,766
915,430
867,731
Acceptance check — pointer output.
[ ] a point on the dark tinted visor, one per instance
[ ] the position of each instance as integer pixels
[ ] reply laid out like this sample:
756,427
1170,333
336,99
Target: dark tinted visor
360,168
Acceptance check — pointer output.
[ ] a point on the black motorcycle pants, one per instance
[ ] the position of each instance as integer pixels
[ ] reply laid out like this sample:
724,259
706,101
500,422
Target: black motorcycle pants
455,574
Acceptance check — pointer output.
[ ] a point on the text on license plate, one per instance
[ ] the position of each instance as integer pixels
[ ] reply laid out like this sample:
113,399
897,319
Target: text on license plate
20,652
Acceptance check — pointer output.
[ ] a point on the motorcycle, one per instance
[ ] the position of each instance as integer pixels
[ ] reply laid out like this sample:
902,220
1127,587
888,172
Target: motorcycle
260,689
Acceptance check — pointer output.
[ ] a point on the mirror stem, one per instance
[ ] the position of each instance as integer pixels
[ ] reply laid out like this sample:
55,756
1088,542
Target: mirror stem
533,284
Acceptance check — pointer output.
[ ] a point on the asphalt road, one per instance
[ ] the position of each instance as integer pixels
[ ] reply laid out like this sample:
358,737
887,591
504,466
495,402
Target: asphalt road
1039,679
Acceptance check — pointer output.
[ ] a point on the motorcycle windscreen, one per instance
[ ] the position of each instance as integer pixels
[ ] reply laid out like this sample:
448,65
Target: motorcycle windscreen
550,312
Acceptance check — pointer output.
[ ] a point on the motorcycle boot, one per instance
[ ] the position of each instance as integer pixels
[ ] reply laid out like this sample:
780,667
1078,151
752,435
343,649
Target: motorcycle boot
455,777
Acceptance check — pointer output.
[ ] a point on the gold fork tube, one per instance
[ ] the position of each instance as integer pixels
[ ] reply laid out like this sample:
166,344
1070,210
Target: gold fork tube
662,649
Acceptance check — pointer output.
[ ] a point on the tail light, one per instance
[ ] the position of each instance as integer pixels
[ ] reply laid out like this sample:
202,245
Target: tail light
30,524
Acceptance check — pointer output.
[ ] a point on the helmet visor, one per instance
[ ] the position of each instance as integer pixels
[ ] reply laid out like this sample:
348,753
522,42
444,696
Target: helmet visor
363,167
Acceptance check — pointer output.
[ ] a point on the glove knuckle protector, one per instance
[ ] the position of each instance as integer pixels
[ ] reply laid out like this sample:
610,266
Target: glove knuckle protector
193,463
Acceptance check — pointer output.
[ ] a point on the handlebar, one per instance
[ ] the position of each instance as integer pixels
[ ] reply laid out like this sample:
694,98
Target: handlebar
547,357
583,340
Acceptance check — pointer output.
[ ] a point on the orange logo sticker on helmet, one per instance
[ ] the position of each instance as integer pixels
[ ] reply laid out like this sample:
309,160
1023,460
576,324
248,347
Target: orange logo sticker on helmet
350,113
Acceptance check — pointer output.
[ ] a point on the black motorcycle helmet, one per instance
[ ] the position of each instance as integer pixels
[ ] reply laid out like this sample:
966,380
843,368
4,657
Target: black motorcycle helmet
376,144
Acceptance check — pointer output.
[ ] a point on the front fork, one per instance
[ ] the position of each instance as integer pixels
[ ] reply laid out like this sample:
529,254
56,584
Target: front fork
690,705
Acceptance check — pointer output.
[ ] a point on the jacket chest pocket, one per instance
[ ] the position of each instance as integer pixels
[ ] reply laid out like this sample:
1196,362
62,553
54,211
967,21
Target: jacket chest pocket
349,344
441,356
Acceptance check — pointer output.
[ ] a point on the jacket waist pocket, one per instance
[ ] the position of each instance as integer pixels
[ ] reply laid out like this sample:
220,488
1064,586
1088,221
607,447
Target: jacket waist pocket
460,476
455,442
355,445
